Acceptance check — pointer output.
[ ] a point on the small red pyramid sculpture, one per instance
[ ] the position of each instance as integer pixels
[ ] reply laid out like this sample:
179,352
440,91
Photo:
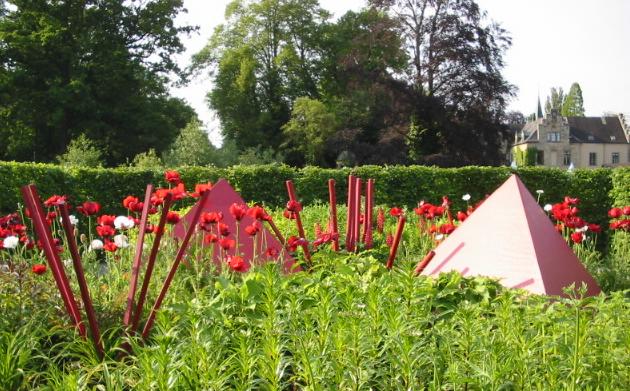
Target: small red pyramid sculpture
221,197
510,237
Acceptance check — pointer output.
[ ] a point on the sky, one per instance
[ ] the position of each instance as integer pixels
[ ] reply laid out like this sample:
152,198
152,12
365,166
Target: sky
554,44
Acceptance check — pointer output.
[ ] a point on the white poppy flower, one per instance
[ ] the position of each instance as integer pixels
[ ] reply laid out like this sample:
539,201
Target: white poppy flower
466,197
121,241
540,191
96,244
10,242
439,237
548,208
73,220
123,222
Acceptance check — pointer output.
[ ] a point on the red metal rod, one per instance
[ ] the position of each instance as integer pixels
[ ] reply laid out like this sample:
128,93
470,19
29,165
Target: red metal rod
33,204
424,262
298,220
369,206
350,215
394,249
357,212
83,287
178,258
151,262
137,260
276,232
332,196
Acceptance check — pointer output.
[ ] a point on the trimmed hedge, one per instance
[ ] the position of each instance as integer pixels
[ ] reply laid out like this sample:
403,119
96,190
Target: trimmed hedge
395,185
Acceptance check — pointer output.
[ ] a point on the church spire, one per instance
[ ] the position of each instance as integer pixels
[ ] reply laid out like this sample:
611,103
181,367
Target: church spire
539,113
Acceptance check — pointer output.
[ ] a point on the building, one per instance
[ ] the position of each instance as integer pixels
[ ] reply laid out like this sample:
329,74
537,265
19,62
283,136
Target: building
581,142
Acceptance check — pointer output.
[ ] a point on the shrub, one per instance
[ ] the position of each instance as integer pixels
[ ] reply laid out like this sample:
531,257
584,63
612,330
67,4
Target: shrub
81,152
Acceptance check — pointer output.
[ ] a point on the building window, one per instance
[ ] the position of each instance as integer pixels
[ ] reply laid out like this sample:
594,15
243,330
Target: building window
566,160
540,158
592,159
615,158
553,137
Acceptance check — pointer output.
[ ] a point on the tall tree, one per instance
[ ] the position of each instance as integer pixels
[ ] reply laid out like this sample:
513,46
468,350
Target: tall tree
93,67
456,58
263,57
555,100
574,102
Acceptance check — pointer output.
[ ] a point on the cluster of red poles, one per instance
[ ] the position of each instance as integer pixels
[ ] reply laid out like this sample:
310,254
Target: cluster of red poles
133,313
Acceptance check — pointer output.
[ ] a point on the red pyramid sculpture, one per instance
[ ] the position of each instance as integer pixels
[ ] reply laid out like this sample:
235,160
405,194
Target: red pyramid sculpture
510,237
221,197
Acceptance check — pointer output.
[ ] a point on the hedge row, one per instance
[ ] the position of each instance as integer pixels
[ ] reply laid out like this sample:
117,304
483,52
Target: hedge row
395,185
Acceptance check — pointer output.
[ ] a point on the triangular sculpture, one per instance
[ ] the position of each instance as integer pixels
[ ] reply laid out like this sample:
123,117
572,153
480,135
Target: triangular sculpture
221,197
510,237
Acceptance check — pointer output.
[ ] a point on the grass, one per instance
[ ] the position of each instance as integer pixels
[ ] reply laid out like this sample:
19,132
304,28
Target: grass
349,324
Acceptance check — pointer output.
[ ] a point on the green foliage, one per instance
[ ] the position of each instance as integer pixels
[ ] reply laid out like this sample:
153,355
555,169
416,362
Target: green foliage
191,148
258,155
574,102
93,67
311,124
148,160
555,101
82,152
525,158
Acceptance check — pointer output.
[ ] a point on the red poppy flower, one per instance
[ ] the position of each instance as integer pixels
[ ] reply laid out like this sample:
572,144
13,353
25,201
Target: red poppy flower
211,217
461,216
559,228
571,201
39,269
110,246
106,220
238,211
172,217
89,208
252,229
595,228
172,177
257,213
105,230
129,202
288,214
210,238
445,202
626,210
389,240
577,237
447,229
238,264
224,229
227,243
294,206
55,200
177,193
201,188
271,252
615,213
396,212
293,242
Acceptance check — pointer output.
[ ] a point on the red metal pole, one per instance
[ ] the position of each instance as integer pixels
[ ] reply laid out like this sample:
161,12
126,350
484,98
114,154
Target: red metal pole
332,196
350,215
178,258
83,287
33,204
425,261
298,220
137,260
276,232
369,205
357,211
151,262
394,249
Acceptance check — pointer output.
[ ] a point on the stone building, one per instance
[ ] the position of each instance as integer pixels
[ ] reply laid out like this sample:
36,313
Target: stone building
581,142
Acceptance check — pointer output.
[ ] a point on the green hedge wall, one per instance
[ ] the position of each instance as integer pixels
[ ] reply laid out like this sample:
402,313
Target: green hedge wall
395,185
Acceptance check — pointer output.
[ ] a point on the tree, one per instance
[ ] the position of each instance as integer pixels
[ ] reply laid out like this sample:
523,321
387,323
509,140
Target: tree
81,152
265,56
455,67
191,148
573,103
311,124
555,101
97,67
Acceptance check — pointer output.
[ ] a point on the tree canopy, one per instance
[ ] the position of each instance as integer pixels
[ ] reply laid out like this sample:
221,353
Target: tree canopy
405,81
92,67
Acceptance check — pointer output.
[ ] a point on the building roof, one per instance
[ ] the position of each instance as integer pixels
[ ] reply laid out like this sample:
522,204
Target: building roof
601,130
